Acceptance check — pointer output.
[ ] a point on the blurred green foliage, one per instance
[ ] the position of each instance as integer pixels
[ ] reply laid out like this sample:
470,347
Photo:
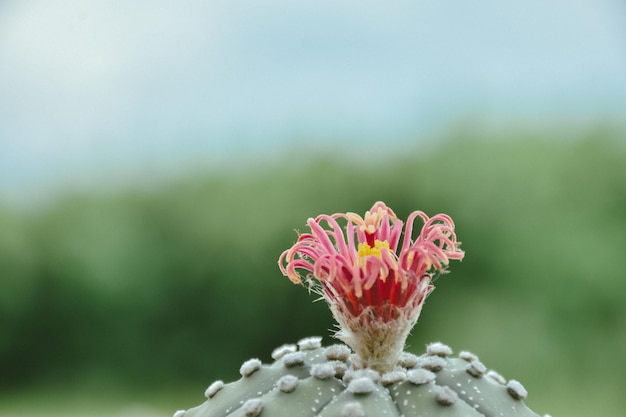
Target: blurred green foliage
179,284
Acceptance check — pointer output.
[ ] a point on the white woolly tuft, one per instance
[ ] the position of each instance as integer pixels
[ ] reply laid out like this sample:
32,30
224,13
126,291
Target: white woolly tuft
476,369
253,407
179,413
363,385
249,367
516,389
446,396
433,363
287,383
310,343
214,388
397,375
361,373
294,359
340,368
420,376
468,356
338,352
497,377
281,351
407,360
438,349
323,370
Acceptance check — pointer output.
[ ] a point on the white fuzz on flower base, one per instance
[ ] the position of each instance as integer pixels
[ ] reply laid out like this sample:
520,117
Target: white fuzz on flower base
378,343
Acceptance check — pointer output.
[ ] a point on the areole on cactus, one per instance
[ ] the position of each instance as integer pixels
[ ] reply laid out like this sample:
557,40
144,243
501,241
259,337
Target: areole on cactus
375,276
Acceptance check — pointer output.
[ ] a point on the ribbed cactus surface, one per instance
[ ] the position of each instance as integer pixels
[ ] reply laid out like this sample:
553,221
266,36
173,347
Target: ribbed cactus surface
308,379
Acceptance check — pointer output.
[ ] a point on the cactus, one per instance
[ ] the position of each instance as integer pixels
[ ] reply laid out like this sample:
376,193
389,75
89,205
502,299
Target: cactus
375,289
311,380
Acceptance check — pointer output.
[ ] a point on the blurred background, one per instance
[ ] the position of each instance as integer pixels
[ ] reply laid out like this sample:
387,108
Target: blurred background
156,158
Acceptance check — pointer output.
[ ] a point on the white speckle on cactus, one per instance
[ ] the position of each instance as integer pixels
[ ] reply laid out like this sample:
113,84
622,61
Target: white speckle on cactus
476,369
294,359
281,351
323,370
353,409
310,343
433,363
213,389
249,367
362,385
287,383
420,376
407,360
253,407
361,373
338,352
468,356
516,389
438,349
397,375
446,396
179,413
496,377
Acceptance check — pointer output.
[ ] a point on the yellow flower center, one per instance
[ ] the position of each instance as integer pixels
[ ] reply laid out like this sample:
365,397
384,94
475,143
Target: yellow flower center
367,250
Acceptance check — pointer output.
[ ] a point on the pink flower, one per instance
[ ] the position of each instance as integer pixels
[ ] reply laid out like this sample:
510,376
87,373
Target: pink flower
371,275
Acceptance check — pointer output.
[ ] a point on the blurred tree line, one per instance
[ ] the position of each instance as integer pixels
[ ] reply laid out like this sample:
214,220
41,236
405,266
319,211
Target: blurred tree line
179,284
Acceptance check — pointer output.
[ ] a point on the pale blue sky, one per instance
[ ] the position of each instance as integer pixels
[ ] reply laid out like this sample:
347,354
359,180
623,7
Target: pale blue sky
111,88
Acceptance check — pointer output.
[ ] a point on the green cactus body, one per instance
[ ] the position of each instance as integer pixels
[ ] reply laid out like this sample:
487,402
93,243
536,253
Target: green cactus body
310,380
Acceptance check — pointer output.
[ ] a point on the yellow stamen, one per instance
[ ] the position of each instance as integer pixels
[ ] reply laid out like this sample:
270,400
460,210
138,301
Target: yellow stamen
367,250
